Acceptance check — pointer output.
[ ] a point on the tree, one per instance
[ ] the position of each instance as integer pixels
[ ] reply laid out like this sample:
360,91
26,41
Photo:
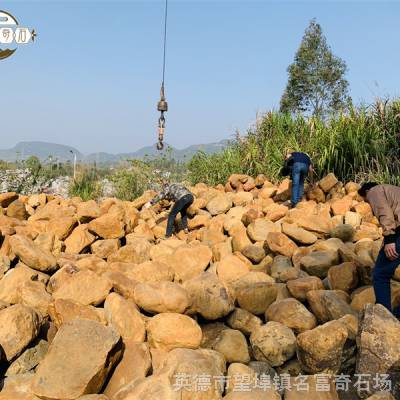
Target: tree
316,83
33,163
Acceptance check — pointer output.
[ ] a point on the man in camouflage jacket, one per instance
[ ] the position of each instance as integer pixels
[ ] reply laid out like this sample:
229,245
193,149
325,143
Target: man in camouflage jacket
182,198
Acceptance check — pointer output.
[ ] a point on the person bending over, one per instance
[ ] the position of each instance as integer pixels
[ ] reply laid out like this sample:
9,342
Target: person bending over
182,197
298,165
385,203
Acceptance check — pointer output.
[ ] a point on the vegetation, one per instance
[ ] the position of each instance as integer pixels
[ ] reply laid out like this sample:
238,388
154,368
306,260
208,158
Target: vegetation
363,144
316,84
130,183
86,185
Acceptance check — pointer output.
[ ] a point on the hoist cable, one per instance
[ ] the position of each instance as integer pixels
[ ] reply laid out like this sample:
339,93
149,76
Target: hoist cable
165,39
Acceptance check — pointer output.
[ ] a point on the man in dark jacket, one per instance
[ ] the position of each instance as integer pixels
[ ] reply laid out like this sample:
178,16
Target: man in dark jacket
385,203
183,199
298,165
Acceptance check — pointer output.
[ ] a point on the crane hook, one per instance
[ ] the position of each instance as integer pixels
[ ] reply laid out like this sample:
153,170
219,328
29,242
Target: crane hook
162,106
161,128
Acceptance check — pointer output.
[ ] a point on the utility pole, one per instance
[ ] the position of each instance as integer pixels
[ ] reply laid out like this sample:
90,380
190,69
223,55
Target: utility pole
74,154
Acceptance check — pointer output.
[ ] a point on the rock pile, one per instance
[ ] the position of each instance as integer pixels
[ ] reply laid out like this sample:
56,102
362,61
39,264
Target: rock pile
257,301
25,182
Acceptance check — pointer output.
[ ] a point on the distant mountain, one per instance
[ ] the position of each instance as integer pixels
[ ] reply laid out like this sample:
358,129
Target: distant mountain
59,152
42,150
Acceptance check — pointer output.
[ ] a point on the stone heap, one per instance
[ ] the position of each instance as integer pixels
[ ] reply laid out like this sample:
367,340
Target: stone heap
256,298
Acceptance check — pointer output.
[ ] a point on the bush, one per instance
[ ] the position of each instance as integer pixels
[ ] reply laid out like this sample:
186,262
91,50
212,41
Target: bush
86,185
130,183
361,145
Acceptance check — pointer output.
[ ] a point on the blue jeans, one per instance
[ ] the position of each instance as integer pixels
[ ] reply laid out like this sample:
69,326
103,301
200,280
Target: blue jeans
383,272
299,173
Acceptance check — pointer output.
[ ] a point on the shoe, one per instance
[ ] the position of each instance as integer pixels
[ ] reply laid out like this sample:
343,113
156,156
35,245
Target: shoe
161,239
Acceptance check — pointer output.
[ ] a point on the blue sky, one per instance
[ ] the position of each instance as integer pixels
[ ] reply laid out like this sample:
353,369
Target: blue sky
92,78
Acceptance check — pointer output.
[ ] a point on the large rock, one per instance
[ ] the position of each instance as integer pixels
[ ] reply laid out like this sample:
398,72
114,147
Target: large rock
231,269
313,387
62,311
341,206
343,277
108,226
170,331
31,254
274,211
62,227
260,228
88,210
84,287
79,240
328,305
132,254
125,318
256,297
7,198
319,262
274,343
240,240
279,266
320,350
219,204
243,321
149,271
78,361
104,248
94,263
167,385
10,283
254,253
161,297
209,297
353,218
381,396
17,210
136,355
319,224
379,348
33,294
293,314
344,232
17,387
298,234
5,264
190,260
236,372
299,288
29,359
281,244
362,296
232,345
328,182
19,325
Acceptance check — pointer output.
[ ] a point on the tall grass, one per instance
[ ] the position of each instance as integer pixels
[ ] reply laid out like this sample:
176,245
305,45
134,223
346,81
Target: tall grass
362,144
86,185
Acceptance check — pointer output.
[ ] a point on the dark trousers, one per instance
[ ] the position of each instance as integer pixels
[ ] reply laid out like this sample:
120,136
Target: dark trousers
299,174
180,206
383,272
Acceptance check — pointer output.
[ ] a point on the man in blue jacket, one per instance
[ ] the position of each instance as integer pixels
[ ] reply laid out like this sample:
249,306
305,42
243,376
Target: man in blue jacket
298,165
